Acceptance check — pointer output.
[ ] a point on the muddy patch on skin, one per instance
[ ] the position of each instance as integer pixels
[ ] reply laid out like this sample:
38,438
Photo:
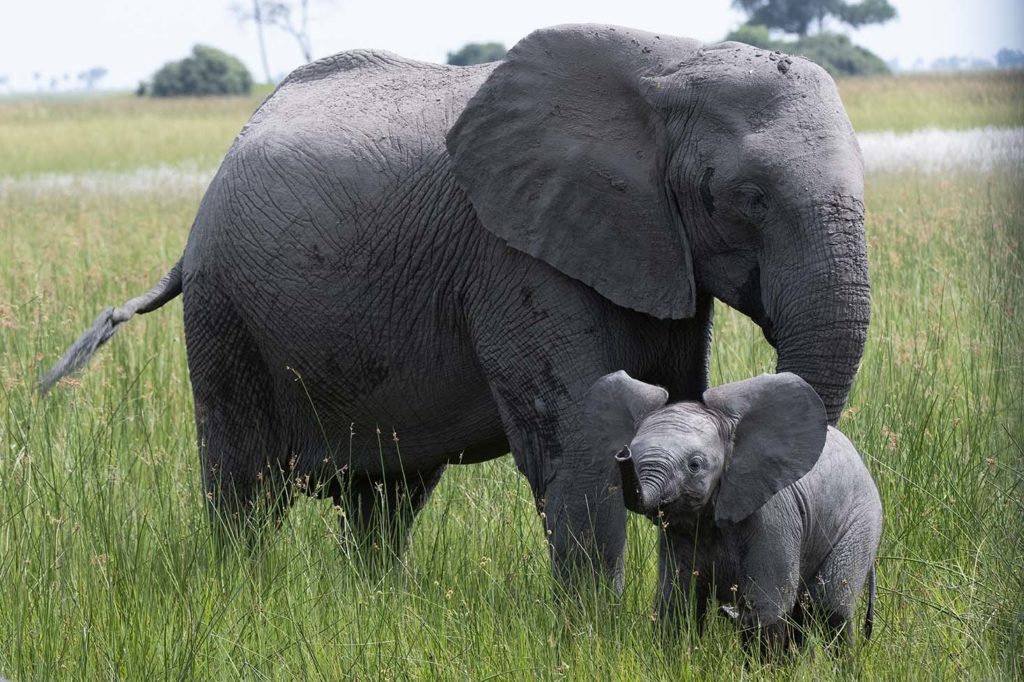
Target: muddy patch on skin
928,150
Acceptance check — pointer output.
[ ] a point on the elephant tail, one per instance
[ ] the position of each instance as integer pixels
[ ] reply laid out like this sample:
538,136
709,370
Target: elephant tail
107,324
869,617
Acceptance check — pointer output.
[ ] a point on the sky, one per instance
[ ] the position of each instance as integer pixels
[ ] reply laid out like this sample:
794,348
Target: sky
133,38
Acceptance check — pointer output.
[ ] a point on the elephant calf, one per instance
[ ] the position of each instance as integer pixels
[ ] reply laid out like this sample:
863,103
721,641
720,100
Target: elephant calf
761,502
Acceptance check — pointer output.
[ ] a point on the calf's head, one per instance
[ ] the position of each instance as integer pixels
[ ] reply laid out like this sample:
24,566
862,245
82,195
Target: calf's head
736,448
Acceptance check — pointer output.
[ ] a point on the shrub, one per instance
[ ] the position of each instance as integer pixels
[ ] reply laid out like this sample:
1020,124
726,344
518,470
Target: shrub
839,56
756,35
477,53
207,72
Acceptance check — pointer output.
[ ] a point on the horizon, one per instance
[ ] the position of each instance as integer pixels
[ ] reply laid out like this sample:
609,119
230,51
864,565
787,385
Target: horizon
132,42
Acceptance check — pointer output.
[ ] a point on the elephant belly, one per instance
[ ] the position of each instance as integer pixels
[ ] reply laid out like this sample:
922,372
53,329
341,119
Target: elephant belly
358,323
395,409
382,387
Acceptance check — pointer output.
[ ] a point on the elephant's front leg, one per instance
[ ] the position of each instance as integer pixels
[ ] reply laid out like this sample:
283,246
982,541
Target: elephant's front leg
683,583
769,590
585,523
577,496
542,339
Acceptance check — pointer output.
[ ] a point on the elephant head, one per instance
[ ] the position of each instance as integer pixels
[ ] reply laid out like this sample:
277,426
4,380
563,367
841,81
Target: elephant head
655,168
742,444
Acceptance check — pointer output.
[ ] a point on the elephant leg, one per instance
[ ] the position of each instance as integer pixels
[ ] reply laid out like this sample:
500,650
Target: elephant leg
540,350
244,472
802,619
833,593
769,593
578,499
683,588
379,513
585,523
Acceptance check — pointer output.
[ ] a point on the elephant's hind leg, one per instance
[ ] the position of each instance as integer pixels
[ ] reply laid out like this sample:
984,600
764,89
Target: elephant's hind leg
240,444
379,513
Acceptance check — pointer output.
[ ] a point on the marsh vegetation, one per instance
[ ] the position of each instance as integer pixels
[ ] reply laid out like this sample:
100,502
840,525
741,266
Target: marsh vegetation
106,555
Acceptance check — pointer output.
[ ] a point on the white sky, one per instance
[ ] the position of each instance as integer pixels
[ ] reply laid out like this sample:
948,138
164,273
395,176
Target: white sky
132,38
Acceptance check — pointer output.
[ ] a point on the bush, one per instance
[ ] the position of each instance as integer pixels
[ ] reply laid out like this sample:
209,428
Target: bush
207,72
756,35
839,56
477,53
1010,59
832,51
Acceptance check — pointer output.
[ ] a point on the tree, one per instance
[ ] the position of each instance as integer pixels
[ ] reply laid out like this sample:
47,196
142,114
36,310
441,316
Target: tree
207,72
960,63
797,16
1009,59
477,53
291,16
90,77
280,14
838,55
255,15
832,51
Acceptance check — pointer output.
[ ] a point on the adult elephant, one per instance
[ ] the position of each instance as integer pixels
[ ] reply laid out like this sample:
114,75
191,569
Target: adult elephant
455,254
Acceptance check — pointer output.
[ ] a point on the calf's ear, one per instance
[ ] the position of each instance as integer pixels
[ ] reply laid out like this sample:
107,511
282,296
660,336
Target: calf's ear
613,408
779,432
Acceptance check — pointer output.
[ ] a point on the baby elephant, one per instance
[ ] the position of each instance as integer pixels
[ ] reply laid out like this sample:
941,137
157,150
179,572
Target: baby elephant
762,503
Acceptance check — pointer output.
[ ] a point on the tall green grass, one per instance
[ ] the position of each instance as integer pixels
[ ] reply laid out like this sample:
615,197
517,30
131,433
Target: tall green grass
910,101
107,559
117,133
106,555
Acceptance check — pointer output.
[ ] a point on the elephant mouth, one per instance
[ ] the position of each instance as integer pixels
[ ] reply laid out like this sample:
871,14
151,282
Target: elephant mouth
749,301
644,498
682,507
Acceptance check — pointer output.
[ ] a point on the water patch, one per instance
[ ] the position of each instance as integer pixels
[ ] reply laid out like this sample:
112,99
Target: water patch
932,150
179,181
929,150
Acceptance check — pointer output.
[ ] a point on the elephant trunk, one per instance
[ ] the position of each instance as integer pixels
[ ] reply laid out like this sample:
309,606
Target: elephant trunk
821,324
636,497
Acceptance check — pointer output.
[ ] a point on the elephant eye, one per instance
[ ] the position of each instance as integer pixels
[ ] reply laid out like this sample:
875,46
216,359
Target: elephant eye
756,201
695,463
750,200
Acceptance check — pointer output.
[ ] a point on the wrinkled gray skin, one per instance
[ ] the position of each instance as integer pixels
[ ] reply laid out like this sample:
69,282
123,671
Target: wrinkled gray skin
455,254
753,491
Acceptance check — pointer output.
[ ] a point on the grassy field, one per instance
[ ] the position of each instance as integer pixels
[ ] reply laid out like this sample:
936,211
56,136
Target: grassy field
912,101
117,132
123,132
105,552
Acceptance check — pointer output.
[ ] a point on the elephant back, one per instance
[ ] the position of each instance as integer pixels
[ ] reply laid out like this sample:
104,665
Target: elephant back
359,114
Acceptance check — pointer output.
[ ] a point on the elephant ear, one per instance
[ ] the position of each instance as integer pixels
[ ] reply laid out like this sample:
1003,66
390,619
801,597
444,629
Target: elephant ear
779,433
564,158
613,408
